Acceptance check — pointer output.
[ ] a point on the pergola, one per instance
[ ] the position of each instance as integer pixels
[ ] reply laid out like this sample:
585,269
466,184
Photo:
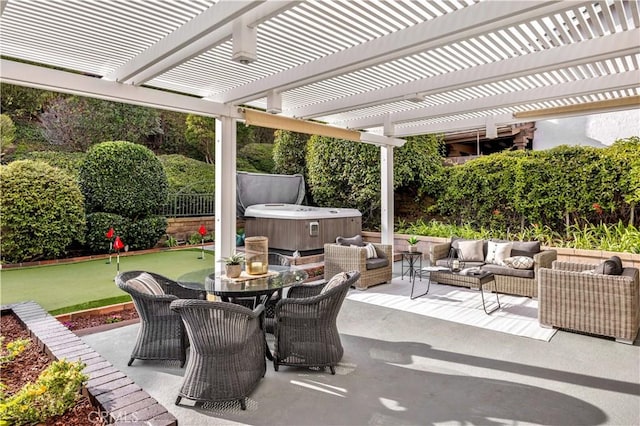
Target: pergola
374,71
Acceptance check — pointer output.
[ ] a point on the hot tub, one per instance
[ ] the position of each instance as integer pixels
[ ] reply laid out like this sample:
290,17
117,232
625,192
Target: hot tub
292,227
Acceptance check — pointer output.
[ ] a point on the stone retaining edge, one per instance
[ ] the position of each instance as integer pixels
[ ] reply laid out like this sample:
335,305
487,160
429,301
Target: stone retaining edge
120,399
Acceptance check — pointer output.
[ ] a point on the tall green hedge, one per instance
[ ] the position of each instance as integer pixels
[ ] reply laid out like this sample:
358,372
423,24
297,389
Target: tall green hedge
347,174
289,151
42,211
556,188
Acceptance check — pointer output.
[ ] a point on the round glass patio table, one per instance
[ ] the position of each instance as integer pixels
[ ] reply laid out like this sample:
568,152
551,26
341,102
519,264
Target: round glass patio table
259,287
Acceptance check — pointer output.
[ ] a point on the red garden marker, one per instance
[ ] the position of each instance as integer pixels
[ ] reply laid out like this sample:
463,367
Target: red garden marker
118,245
202,231
109,236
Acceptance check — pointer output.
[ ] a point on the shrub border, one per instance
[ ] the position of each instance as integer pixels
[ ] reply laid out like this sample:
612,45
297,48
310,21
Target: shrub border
119,398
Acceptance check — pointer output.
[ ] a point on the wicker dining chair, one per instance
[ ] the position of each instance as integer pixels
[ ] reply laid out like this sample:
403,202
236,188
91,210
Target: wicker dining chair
161,335
306,333
227,353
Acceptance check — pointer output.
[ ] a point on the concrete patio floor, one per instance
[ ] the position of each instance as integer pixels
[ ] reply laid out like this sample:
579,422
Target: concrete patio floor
405,369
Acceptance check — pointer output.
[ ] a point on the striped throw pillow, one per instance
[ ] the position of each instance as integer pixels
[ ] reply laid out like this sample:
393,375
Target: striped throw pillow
145,283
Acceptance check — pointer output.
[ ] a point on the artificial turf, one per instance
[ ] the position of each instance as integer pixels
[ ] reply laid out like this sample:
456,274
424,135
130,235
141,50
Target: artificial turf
72,286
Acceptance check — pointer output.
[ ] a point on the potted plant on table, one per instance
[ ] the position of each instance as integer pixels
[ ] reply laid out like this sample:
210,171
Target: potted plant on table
413,243
233,264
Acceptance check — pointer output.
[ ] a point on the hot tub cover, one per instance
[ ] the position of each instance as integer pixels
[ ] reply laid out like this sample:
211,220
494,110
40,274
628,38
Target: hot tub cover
296,211
261,188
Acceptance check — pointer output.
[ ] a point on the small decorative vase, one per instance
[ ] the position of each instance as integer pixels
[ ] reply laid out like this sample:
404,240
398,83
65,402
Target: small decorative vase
233,271
412,248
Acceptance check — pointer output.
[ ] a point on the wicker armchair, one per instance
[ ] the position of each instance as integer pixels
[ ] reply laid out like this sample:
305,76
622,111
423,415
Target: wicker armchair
338,258
161,335
227,354
607,305
306,334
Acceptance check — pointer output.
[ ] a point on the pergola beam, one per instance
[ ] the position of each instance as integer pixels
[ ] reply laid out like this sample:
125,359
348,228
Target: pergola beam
630,102
22,74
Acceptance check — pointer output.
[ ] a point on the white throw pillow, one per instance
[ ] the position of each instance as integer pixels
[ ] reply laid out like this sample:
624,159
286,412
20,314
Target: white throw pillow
497,252
471,251
519,262
371,251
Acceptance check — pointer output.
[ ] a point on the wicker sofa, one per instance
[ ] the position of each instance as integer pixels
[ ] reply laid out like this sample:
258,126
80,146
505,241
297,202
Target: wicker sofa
606,305
347,257
508,280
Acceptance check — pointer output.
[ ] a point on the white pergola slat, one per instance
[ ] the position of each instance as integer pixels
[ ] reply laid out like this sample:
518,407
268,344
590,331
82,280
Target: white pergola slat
345,62
387,67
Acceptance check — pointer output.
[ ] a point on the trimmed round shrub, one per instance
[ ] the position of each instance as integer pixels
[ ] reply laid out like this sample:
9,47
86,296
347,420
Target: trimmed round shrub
42,211
123,178
138,235
98,225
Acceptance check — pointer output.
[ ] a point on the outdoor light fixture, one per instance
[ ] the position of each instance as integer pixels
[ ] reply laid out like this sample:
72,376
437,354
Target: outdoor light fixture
274,102
414,97
244,43
491,131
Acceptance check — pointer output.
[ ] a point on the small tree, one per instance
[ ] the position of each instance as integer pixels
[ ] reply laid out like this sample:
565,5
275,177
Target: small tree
42,211
7,132
76,123
201,136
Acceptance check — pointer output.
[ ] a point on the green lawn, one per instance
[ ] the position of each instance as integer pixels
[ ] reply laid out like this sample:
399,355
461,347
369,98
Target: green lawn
82,285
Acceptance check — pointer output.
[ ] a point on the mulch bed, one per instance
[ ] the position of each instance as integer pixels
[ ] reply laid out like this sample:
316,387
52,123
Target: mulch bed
27,366
89,321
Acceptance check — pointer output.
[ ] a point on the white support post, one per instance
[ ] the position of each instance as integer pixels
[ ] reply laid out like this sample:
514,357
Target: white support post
386,194
225,226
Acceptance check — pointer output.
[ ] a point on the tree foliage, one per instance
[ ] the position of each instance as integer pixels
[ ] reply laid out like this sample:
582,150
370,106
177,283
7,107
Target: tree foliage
76,123
7,133
201,137
123,178
259,156
42,211
24,103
